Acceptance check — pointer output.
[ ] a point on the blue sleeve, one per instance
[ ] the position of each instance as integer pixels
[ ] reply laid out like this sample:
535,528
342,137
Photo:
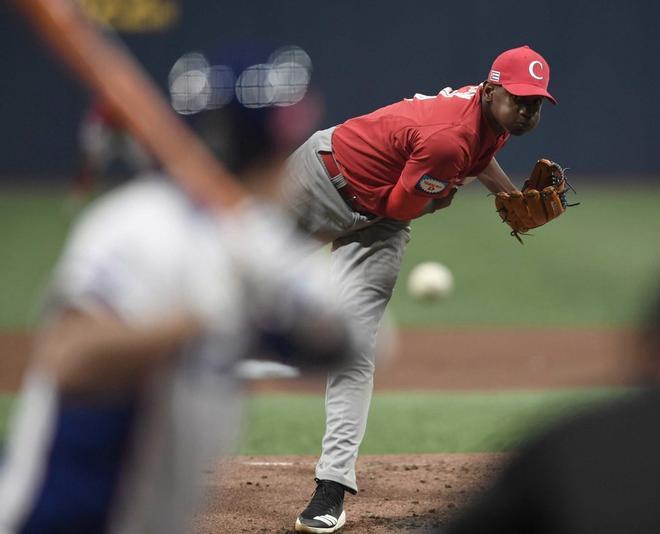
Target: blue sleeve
88,450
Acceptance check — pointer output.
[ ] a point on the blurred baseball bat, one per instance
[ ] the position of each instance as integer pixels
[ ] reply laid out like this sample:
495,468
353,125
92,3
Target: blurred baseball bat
111,72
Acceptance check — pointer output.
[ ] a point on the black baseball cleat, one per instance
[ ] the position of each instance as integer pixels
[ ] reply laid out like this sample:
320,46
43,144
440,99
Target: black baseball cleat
325,512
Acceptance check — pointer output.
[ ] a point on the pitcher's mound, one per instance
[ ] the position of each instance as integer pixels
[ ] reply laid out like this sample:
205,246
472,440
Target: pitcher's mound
398,493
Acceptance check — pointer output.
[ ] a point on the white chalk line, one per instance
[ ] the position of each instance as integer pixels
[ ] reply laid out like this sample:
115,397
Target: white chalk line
269,464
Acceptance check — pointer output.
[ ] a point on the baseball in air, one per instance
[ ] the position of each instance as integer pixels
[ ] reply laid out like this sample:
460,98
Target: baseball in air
430,281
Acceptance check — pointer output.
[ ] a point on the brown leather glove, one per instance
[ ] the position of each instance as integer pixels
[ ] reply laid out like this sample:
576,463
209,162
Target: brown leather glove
543,198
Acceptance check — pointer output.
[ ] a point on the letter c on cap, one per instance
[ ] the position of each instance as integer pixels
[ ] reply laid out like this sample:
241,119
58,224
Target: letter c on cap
531,69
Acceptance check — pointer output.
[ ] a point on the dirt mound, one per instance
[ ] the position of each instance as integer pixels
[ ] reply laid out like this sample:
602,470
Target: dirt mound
397,492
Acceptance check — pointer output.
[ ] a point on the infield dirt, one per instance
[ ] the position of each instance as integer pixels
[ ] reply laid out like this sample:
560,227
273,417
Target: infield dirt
397,493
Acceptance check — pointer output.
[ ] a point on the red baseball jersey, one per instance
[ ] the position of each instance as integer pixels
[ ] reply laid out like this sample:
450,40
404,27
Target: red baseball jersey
428,143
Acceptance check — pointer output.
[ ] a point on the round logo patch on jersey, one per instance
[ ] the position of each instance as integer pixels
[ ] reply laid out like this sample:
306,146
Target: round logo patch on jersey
430,185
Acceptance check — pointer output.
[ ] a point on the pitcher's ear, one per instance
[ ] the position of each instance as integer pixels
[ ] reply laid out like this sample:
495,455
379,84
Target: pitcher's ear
488,91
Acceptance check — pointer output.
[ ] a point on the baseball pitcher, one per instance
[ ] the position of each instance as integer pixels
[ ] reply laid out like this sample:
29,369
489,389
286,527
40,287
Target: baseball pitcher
359,184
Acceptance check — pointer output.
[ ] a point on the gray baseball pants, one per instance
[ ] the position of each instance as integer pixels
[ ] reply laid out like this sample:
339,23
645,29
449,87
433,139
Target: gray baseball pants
366,258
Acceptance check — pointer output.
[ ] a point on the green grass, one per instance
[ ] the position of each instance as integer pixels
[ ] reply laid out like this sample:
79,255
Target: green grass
5,407
415,422
408,422
32,230
591,267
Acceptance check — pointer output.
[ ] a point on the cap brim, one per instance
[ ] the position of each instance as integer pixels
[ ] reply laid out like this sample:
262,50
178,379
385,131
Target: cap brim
524,89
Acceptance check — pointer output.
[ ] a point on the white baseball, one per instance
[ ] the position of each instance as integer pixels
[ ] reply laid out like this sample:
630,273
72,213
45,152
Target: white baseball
430,280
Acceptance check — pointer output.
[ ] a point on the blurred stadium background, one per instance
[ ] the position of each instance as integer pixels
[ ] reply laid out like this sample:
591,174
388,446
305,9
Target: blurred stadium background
592,270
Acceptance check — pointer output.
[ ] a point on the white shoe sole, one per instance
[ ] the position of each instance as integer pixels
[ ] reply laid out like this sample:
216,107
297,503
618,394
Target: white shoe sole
321,530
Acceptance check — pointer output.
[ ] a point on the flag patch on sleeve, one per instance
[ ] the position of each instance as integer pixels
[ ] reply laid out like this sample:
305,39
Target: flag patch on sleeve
430,185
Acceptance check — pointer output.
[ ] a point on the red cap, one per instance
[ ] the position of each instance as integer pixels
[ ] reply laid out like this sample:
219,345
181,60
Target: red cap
522,72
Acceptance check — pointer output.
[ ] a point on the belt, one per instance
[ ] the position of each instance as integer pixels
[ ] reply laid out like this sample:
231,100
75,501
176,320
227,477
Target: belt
344,189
